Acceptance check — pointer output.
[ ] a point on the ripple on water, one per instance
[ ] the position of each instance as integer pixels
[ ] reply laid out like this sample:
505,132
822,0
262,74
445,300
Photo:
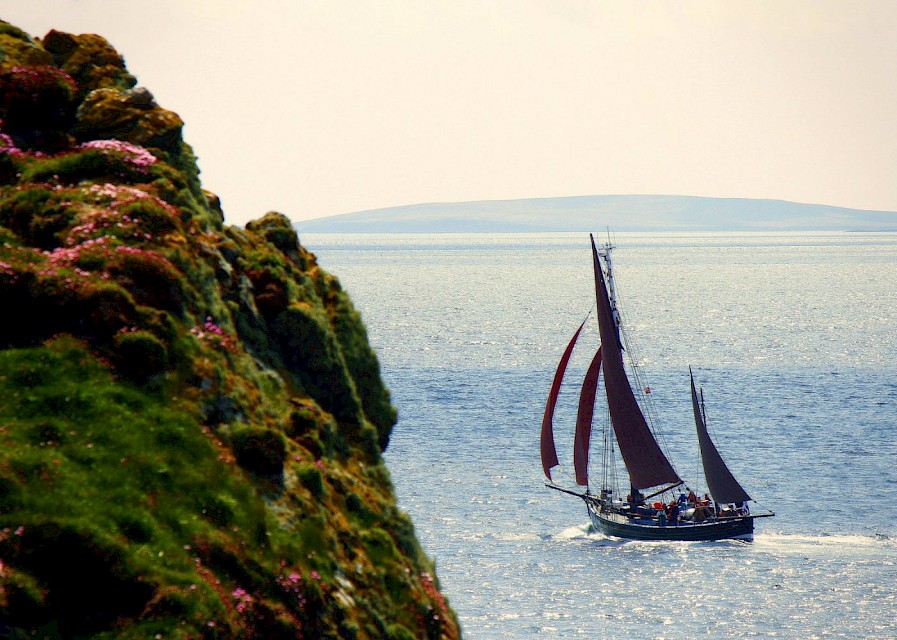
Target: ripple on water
801,394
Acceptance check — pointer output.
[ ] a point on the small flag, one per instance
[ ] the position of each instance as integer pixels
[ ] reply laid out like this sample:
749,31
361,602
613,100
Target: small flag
647,390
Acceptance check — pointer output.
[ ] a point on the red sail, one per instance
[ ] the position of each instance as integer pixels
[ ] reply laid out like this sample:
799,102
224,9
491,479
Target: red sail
644,460
549,453
584,421
722,484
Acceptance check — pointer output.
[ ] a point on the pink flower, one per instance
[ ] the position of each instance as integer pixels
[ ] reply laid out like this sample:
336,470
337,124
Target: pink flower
242,597
134,154
212,335
9,147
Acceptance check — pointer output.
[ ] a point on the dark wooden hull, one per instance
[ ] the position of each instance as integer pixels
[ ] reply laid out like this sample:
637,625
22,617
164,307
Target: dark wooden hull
741,528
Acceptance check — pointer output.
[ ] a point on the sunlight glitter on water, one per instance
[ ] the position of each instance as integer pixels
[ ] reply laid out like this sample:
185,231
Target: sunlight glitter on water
801,394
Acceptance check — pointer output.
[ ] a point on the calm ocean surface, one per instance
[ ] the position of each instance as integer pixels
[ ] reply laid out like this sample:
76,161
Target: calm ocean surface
792,335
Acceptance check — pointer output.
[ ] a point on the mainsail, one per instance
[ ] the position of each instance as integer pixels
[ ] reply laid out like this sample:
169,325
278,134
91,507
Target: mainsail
583,432
722,484
646,463
549,452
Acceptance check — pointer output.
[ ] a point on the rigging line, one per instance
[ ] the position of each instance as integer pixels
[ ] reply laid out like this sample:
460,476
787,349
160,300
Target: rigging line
767,509
644,400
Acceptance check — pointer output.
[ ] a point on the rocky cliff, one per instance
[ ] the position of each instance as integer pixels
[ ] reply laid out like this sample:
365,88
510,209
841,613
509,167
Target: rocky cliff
191,417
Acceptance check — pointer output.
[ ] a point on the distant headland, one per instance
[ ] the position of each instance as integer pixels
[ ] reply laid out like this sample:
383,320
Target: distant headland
620,212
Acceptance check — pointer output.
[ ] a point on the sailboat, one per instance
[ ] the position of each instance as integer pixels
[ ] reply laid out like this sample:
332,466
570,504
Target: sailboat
657,506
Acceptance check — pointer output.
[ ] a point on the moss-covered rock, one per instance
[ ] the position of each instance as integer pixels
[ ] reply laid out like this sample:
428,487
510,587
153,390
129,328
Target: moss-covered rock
130,115
140,355
191,413
90,60
260,451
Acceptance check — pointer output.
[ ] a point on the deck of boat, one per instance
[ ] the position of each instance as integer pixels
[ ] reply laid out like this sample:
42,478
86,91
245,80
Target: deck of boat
620,526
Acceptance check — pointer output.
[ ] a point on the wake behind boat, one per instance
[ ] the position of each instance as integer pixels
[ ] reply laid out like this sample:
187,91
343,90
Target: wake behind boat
665,511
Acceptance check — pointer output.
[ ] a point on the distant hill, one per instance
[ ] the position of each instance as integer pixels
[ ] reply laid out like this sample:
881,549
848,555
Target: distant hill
621,213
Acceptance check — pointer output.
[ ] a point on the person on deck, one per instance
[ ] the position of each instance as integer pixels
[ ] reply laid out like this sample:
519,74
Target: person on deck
700,514
673,513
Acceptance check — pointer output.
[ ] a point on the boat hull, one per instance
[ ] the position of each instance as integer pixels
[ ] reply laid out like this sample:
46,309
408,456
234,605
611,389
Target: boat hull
740,528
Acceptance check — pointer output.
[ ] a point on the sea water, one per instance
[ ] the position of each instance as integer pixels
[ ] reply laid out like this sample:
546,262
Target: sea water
793,337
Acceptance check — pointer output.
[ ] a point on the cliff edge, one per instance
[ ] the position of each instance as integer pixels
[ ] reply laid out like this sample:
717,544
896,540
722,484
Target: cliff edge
191,416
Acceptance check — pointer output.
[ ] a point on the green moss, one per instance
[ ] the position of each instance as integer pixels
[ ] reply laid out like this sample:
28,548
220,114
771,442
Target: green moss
137,527
95,165
380,547
10,30
37,215
357,509
166,383
310,477
154,218
140,355
399,632
75,485
219,509
310,350
303,420
25,604
151,280
10,494
277,230
362,364
52,303
261,451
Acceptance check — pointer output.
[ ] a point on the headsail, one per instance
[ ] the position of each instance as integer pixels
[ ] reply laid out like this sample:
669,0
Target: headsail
646,463
722,484
549,452
583,433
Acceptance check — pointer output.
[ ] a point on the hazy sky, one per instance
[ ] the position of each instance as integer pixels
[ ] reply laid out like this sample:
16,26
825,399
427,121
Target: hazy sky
319,107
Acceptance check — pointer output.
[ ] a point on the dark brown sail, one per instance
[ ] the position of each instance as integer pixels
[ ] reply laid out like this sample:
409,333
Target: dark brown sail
644,460
549,452
722,484
583,434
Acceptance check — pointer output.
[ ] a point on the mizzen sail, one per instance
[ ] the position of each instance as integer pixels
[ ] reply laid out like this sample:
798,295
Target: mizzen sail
583,434
549,452
722,484
645,461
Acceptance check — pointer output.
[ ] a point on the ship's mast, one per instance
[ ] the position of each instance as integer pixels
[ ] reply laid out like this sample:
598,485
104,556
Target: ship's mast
604,251
609,480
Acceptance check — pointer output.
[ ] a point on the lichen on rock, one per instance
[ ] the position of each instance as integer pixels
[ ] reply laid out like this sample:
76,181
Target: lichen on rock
191,412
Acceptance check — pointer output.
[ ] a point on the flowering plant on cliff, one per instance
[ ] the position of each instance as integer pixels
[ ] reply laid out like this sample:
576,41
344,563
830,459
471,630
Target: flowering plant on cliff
36,97
132,153
128,213
212,335
8,146
30,82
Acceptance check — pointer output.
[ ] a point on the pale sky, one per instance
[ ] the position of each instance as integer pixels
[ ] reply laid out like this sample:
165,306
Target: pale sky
321,107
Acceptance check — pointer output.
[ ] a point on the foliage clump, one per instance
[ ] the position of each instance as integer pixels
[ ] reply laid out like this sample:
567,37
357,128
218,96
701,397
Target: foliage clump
191,413
37,105
260,451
